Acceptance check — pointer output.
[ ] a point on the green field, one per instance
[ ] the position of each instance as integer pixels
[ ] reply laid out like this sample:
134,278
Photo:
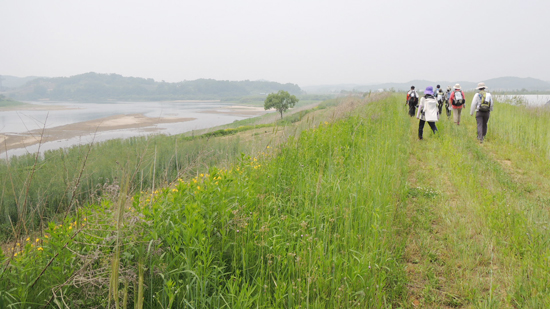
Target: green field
340,206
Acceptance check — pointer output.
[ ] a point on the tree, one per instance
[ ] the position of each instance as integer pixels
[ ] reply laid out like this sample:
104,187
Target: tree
281,101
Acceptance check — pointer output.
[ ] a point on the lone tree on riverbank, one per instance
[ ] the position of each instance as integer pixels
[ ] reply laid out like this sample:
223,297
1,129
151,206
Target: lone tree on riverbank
281,101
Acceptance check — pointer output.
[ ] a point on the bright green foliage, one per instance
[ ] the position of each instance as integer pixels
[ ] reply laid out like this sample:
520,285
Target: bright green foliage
309,224
281,101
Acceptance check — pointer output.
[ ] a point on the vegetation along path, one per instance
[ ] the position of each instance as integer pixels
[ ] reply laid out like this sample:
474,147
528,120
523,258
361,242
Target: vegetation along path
335,207
478,214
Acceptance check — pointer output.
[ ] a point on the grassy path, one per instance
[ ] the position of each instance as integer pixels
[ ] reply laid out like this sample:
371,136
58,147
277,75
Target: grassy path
477,218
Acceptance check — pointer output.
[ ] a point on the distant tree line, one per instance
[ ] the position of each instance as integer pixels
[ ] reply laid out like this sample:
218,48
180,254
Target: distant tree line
102,87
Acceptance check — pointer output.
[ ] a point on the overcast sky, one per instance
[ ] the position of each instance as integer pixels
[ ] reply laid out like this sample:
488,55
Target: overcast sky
307,42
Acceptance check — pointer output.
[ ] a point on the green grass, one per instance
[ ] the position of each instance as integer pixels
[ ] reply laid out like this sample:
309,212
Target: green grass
5,102
306,224
481,241
351,210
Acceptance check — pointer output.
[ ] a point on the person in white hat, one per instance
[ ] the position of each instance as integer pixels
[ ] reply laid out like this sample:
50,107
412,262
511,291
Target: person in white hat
458,102
483,105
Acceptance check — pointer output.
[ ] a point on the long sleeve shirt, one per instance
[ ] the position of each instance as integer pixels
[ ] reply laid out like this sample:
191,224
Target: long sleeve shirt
476,102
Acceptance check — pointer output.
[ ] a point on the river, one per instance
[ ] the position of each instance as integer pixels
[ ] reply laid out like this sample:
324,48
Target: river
161,118
526,99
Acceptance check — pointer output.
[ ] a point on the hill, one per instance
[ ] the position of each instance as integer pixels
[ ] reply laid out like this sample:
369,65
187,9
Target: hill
105,87
7,81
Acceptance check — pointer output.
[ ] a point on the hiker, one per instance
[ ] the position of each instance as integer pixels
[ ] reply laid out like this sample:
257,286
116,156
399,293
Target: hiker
447,98
483,105
412,101
458,102
440,96
427,111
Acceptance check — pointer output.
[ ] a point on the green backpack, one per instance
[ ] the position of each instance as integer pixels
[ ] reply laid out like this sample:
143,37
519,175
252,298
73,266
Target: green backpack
485,105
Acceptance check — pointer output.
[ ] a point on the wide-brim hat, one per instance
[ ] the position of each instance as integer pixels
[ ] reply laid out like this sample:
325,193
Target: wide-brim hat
457,86
429,90
481,86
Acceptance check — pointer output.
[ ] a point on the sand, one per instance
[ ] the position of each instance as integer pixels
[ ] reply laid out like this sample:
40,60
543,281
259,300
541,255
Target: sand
12,141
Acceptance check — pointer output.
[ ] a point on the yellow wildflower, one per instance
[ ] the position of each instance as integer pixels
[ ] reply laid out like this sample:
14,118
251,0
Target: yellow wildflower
15,254
37,240
202,175
39,249
198,187
28,239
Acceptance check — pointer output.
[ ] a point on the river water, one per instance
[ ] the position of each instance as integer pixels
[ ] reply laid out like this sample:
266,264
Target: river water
525,99
21,121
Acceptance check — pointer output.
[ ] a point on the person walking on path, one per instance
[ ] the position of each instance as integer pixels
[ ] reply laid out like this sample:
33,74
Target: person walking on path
458,102
483,105
447,105
412,101
427,112
440,96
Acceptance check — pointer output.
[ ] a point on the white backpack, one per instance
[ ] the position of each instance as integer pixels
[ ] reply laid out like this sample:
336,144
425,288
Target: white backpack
459,100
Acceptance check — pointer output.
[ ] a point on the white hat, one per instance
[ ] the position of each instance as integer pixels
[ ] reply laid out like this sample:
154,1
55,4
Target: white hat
481,85
457,86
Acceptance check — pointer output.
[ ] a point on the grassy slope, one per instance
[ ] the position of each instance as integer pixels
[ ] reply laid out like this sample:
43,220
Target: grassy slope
479,214
311,226
324,221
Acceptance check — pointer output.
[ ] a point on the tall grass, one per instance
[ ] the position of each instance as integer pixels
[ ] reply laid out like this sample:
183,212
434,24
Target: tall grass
308,224
60,179
526,127
485,237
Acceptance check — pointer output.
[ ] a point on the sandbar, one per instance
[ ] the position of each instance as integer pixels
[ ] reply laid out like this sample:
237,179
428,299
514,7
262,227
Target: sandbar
133,121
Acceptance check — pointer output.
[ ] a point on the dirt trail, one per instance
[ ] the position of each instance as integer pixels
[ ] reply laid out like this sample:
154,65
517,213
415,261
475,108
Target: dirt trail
450,254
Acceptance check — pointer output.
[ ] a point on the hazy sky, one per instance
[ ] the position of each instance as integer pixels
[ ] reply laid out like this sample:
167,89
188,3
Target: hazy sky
306,42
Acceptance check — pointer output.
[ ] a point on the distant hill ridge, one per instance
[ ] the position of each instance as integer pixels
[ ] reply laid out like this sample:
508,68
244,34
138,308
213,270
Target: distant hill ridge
494,84
95,86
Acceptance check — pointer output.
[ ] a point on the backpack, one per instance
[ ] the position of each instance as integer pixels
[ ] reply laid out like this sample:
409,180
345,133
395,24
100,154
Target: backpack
459,99
440,95
485,105
413,97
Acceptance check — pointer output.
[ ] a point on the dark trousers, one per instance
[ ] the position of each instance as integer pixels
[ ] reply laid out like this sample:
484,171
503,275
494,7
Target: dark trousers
421,127
412,109
440,106
482,118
